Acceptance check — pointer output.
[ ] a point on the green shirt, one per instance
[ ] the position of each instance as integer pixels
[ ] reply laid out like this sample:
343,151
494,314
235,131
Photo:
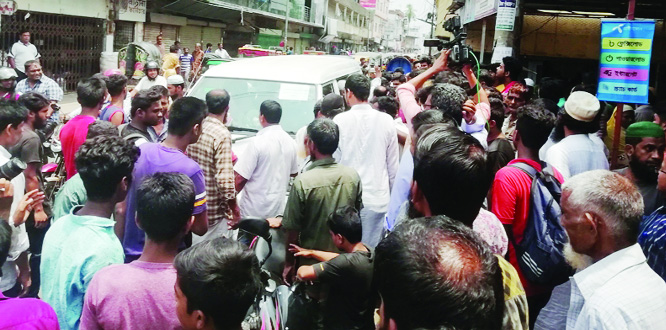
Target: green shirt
315,194
71,194
75,248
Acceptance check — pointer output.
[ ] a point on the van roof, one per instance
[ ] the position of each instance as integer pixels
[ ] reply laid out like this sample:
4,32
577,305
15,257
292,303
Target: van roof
311,69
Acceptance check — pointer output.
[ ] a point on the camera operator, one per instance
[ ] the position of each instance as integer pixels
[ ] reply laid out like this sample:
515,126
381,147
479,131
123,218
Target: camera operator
12,122
29,150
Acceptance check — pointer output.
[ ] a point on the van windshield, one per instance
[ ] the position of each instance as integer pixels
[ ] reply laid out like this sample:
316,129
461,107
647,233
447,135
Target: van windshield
297,101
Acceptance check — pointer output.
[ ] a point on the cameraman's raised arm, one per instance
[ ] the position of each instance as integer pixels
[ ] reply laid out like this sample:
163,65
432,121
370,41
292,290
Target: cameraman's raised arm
407,91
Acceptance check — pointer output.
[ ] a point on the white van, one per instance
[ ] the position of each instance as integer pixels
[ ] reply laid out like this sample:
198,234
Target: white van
294,81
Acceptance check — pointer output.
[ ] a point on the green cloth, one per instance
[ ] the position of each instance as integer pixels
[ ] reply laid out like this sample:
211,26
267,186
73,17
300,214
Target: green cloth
71,194
75,248
315,194
643,129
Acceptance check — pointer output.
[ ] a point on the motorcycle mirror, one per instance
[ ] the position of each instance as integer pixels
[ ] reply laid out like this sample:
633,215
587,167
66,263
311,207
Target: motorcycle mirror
256,226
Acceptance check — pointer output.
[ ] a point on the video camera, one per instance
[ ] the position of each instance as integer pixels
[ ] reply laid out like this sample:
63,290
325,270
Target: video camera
460,53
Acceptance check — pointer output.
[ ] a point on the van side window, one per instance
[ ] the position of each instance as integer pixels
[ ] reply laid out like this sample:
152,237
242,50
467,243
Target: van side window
327,88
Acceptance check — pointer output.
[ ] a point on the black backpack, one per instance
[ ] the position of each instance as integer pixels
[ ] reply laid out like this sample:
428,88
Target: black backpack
540,252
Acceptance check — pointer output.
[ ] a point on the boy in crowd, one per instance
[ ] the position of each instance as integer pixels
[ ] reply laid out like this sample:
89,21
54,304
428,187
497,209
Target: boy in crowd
187,115
350,302
217,282
83,242
146,112
164,211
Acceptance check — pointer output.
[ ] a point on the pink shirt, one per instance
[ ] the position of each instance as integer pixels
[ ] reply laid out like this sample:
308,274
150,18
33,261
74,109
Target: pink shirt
72,136
138,295
26,313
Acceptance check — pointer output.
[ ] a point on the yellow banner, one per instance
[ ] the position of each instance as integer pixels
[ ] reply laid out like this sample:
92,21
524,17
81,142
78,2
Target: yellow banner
626,43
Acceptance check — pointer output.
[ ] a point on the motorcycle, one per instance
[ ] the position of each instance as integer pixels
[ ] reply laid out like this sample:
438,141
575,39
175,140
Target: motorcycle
271,310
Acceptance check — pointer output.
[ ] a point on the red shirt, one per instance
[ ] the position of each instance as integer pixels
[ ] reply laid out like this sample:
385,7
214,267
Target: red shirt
72,136
511,204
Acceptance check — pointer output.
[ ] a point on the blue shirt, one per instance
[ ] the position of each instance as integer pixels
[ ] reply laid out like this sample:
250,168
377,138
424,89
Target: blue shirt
75,248
45,86
652,239
401,188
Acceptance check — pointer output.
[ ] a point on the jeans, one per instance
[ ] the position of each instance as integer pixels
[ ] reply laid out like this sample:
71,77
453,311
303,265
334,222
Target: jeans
373,226
36,238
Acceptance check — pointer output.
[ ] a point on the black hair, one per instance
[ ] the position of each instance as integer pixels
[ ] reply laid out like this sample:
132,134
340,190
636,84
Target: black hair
346,222
388,105
547,104
33,101
436,273
23,30
493,92
91,92
217,101
102,162
359,85
513,66
399,77
116,84
423,93
173,48
414,73
325,135
271,110
429,117
317,107
159,89
11,113
29,63
449,99
101,127
165,202
577,126
5,240
380,91
144,100
221,278
552,88
486,77
446,157
184,114
452,77
534,124
497,112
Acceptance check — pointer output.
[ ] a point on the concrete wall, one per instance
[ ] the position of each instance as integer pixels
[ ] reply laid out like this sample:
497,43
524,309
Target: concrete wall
85,8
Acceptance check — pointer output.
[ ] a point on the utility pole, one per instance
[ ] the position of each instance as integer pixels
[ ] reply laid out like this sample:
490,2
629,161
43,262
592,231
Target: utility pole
286,26
511,38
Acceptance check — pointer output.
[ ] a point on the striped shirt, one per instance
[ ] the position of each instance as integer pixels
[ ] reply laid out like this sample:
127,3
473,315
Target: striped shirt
653,240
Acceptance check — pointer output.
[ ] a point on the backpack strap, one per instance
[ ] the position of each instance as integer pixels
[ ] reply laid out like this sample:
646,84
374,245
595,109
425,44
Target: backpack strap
528,169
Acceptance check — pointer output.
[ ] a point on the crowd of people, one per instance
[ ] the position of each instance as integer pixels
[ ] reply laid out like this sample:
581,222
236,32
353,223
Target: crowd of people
441,198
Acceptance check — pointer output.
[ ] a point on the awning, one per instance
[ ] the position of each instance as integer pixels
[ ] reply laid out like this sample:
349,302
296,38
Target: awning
223,11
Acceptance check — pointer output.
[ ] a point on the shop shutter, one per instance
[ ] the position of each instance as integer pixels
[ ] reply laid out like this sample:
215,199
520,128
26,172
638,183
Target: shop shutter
211,35
150,32
169,33
189,36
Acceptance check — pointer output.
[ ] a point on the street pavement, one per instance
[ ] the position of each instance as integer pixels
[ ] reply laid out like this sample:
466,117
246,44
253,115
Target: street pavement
68,103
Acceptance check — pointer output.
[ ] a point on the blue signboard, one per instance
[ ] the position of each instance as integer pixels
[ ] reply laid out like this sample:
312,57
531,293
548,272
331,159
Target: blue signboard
624,63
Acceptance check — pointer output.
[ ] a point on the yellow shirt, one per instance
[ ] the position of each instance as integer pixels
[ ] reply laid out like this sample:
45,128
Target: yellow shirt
170,61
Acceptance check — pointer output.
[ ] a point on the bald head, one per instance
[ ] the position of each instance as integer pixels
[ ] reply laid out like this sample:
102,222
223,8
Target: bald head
435,272
217,101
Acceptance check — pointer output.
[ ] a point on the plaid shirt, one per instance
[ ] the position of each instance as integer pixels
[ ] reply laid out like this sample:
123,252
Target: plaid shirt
213,153
45,86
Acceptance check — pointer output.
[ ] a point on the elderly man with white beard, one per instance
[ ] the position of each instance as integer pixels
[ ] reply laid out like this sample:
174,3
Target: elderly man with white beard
614,287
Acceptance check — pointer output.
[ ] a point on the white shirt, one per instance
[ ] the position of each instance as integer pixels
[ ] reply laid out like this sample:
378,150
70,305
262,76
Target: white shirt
576,154
146,83
374,83
618,292
267,163
19,241
222,53
23,53
369,144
